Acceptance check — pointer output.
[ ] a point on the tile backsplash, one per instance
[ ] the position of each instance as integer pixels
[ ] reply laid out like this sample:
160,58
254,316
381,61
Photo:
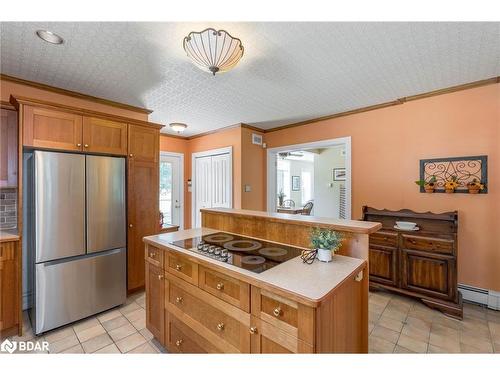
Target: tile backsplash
8,208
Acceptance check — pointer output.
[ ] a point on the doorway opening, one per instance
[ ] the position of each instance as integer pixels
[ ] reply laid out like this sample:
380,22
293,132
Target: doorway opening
311,178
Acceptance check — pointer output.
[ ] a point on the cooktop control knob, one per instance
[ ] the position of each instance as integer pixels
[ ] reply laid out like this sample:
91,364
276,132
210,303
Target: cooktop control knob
217,250
211,249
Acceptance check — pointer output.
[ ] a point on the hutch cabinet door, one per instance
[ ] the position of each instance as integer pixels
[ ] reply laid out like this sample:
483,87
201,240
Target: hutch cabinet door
429,274
384,264
48,128
143,216
9,288
155,310
104,136
8,148
143,143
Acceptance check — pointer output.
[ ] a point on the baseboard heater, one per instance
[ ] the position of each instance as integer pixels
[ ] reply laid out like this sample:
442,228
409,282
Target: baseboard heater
489,298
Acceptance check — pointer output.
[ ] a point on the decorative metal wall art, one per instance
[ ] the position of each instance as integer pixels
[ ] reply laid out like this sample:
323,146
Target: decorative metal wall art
466,169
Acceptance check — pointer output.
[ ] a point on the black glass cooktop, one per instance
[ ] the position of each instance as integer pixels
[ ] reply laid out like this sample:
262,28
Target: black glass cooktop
252,254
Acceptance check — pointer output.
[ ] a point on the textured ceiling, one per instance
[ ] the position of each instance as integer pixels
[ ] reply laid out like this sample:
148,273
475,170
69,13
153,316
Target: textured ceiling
289,72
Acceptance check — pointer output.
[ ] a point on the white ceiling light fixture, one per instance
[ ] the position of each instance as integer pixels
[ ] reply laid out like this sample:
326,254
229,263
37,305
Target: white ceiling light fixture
213,50
178,127
49,37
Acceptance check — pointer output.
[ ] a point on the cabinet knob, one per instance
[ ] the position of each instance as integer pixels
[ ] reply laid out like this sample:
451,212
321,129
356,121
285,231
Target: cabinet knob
179,342
178,300
220,326
86,145
78,145
151,255
277,311
160,277
131,155
130,225
178,267
253,330
220,286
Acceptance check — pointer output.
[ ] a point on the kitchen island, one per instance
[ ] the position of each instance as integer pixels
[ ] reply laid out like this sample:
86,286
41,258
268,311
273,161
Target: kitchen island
196,303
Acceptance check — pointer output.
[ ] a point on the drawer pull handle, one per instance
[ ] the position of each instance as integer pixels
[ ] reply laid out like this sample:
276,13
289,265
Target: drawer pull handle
78,145
179,300
277,311
220,286
220,326
85,145
160,277
179,342
253,330
178,267
413,242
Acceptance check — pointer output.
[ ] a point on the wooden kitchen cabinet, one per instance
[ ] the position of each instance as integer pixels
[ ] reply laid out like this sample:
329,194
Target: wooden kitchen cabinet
143,143
155,289
104,136
10,298
47,128
143,208
8,148
422,263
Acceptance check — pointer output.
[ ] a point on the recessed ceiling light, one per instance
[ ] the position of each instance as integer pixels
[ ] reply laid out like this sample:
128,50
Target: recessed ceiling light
49,37
178,127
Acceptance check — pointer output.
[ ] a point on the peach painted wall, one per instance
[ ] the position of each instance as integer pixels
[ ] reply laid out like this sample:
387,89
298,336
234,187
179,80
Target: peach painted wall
8,88
253,159
387,145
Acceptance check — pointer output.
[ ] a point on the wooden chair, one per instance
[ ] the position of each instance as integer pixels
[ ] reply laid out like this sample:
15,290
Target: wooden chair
288,203
306,210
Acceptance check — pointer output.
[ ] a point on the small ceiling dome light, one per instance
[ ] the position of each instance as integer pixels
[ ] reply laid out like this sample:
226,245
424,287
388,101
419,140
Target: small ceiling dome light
213,50
49,37
178,127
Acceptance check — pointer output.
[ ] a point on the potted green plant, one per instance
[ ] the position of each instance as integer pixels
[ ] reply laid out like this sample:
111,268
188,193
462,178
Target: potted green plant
429,185
326,241
281,198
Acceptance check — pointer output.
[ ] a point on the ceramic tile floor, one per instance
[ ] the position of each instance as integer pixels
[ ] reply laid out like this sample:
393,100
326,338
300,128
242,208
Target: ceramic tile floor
397,325
402,325
120,330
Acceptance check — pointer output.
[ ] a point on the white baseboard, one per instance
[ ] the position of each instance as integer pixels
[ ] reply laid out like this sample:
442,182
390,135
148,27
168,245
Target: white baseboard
489,298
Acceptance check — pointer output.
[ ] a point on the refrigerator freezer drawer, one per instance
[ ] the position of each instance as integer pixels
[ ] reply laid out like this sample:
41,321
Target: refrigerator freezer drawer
72,289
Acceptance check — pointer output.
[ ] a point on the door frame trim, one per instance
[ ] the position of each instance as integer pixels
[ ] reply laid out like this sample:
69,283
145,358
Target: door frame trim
179,155
213,152
271,168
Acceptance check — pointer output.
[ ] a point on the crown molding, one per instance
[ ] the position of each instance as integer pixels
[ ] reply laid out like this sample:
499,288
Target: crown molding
74,94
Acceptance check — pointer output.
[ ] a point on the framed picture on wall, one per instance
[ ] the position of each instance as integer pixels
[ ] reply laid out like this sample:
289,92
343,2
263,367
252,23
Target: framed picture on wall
338,174
295,183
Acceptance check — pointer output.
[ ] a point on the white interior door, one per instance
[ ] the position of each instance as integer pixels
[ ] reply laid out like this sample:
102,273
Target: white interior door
203,188
212,182
221,181
171,200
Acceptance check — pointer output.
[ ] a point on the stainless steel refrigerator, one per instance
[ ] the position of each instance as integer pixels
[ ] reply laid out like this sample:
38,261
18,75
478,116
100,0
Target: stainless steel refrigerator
76,236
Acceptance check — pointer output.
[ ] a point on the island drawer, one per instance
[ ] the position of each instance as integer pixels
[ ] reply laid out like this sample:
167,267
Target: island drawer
183,268
384,239
227,288
291,317
154,256
443,246
182,339
217,321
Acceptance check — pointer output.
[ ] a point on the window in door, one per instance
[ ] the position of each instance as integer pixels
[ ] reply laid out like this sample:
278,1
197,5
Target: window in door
166,191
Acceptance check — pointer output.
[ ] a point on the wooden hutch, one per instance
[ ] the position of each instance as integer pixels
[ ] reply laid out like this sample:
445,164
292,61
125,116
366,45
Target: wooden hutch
421,263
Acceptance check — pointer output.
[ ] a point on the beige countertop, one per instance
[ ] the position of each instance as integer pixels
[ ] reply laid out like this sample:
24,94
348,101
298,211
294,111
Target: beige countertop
354,226
310,282
7,235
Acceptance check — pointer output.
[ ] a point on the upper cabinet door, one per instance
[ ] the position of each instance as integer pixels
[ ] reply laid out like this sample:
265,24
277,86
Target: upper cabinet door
8,148
48,128
143,143
104,136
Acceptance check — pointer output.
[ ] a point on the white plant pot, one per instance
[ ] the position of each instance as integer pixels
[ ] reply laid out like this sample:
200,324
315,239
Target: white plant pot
324,255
